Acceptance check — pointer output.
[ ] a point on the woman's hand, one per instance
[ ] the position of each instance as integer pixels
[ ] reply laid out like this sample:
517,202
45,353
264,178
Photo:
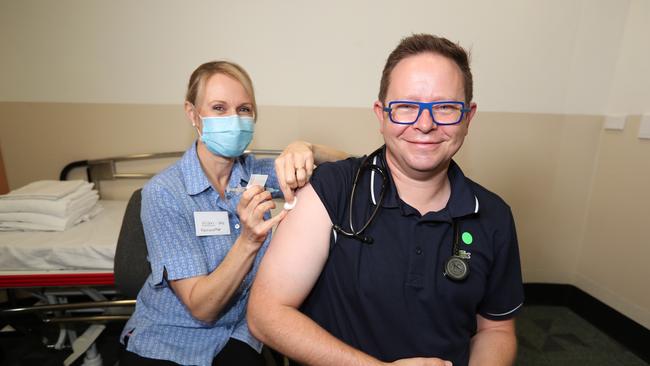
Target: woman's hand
294,167
205,296
254,202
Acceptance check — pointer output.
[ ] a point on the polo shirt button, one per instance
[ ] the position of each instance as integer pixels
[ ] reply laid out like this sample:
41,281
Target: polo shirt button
236,226
418,250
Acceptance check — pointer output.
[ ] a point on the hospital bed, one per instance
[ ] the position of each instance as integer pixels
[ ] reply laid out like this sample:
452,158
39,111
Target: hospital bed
57,267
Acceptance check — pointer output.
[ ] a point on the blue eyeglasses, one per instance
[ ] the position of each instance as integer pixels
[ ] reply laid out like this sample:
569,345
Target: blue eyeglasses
407,112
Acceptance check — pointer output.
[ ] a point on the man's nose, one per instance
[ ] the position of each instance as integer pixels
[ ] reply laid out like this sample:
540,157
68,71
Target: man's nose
426,123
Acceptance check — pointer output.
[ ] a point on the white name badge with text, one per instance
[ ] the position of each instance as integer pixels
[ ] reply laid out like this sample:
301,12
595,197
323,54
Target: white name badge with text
209,223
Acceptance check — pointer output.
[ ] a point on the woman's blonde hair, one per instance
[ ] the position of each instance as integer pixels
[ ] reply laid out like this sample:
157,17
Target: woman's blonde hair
205,71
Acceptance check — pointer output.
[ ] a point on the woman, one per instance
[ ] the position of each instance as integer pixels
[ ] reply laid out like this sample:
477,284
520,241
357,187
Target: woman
205,241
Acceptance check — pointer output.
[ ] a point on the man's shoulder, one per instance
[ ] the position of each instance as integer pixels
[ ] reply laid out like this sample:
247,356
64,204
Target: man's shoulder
487,199
332,181
336,170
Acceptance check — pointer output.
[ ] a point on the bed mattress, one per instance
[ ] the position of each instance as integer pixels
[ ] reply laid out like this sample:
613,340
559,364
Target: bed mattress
81,252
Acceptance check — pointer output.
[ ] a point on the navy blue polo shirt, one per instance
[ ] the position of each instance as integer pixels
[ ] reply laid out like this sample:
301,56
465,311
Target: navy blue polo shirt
391,298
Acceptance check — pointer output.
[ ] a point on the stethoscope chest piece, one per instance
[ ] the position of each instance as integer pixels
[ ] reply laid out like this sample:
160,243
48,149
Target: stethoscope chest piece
456,268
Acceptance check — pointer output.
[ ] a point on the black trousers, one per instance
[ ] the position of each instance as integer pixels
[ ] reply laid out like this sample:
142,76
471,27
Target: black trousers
234,353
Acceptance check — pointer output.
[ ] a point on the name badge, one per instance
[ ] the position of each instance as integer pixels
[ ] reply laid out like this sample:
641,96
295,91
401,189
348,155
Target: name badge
208,223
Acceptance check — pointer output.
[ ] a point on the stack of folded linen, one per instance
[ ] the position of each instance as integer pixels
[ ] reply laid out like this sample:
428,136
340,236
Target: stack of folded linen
48,205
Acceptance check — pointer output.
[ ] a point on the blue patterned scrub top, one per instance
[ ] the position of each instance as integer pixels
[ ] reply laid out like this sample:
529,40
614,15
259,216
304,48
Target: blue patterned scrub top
161,326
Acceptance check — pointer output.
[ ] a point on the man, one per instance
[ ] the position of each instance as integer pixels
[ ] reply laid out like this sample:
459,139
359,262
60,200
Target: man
426,272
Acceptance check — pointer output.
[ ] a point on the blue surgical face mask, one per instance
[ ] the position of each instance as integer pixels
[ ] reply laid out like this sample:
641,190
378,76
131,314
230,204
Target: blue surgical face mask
227,136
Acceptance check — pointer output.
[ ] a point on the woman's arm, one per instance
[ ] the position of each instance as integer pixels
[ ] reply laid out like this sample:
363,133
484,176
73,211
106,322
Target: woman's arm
205,296
296,164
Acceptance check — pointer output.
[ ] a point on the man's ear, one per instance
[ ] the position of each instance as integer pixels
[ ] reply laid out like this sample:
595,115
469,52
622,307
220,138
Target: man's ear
471,113
378,108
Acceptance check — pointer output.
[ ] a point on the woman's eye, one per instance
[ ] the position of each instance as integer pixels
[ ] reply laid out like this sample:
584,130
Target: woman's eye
246,110
218,107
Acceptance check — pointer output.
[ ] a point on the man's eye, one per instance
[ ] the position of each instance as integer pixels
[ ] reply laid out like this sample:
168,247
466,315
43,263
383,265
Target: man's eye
447,107
405,107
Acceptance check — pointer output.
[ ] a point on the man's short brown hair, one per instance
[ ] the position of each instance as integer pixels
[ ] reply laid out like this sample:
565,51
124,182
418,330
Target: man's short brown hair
421,43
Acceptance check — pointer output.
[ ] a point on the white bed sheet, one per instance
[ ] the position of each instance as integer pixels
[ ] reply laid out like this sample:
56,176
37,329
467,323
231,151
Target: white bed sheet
87,246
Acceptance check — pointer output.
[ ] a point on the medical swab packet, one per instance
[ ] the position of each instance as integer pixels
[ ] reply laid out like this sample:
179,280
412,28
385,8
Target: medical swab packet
255,180
260,179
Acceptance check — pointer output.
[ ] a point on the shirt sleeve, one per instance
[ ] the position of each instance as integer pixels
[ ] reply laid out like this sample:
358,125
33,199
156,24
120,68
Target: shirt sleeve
332,182
171,241
504,294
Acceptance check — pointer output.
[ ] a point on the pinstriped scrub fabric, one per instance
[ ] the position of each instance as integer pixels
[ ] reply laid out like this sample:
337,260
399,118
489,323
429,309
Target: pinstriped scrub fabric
161,326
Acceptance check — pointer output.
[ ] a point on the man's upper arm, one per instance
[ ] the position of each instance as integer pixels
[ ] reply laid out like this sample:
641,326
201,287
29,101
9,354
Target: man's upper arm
483,324
296,255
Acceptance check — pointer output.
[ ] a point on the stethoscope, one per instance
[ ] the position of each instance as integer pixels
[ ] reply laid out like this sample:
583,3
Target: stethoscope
456,266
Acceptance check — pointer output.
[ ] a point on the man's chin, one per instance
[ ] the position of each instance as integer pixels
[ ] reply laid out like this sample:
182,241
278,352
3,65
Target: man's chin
428,164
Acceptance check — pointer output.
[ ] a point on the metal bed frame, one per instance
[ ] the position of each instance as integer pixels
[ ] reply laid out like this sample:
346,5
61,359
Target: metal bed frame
98,170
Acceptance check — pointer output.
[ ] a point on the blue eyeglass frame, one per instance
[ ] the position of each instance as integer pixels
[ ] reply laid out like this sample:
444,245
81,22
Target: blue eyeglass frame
428,106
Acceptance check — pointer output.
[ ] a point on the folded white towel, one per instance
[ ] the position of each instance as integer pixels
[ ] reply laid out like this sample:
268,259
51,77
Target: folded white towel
62,207
25,221
45,189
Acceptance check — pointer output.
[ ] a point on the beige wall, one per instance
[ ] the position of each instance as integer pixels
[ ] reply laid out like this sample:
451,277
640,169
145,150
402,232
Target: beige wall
562,175
614,254
4,186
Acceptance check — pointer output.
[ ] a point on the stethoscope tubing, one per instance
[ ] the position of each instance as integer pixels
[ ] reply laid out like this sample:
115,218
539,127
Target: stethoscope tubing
456,267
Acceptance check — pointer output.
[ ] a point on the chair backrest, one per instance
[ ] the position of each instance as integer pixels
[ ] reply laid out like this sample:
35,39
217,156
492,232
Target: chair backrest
131,267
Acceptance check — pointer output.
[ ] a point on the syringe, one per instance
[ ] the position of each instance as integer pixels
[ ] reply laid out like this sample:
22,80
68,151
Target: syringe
243,189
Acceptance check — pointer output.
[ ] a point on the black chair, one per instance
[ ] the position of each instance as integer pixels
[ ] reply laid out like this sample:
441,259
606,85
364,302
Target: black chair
131,267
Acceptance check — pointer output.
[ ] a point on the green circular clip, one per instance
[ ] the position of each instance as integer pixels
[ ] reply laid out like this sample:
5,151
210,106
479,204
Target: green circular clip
467,238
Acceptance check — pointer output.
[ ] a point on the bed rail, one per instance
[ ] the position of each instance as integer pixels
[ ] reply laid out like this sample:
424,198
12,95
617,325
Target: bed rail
98,170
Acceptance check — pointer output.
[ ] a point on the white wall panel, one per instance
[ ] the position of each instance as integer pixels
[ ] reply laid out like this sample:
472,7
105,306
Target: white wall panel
556,56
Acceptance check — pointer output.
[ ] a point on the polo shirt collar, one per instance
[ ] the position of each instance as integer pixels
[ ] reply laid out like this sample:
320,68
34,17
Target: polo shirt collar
462,201
195,179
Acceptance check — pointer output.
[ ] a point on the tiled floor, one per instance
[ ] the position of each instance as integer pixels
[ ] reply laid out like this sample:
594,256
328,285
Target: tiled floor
552,335
548,335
